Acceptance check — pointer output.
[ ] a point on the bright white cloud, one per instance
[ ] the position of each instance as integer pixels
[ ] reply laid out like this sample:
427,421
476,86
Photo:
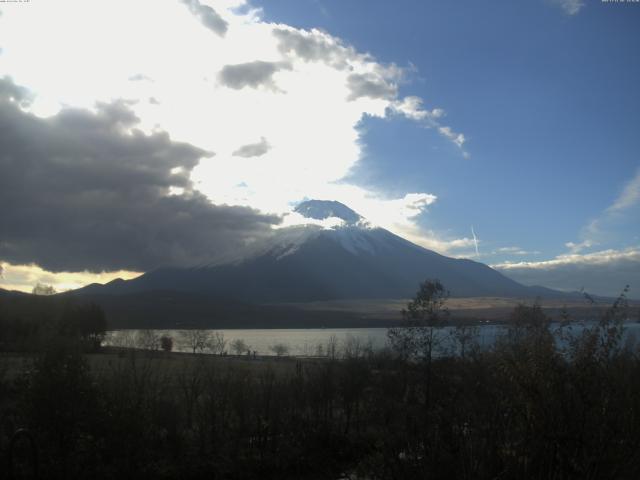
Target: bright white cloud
412,107
221,80
578,247
598,272
602,257
294,219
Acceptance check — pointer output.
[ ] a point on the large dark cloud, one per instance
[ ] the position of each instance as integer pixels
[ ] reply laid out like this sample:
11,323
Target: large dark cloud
14,93
251,74
82,190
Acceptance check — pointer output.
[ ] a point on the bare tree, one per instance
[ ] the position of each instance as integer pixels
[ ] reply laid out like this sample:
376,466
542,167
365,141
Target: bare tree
464,336
239,346
352,347
122,339
217,343
196,340
423,316
417,338
148,340
280,349
332,346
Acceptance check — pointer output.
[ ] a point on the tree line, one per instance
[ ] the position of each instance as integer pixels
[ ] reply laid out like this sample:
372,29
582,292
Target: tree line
29,322
530,406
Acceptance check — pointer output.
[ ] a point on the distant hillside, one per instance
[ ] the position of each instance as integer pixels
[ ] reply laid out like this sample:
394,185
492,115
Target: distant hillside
175,309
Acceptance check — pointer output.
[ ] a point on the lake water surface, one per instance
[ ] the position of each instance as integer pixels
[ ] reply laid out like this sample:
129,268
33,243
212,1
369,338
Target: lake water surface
316,341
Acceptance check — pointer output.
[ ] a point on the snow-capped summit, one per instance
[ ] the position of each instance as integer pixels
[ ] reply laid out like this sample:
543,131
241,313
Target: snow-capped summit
324,209
310,262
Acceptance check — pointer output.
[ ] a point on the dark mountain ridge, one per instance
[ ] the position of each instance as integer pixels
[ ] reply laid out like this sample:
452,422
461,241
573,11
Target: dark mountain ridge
310,263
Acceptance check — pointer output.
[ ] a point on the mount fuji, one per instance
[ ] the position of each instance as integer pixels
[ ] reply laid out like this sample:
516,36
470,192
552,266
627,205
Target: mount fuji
349,260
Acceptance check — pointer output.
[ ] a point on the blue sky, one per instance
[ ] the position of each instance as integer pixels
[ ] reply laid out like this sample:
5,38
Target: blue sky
548,101
427,117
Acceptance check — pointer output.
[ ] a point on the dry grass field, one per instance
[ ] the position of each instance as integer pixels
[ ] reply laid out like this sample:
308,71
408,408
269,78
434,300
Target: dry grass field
491,309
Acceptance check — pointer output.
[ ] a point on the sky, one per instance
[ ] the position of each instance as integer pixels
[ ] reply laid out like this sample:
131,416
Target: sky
169,132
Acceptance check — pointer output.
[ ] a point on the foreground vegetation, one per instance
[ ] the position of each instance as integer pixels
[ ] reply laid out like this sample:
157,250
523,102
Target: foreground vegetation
531,407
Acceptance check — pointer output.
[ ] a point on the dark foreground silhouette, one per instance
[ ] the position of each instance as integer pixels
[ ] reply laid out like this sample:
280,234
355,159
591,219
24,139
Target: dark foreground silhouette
528,408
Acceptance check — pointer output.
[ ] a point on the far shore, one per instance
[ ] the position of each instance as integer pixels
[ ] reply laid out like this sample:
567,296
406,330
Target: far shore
367,313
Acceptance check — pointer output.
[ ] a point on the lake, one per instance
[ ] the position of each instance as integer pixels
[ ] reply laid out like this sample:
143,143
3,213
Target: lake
314,341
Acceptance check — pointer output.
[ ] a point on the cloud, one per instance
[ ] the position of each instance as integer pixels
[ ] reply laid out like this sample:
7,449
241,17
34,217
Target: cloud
605,272
138,77
578,247
313,46
310,123
514,251
457,138
253,149
366,77
252,74
629,197
415,203
85,190
370,85
615,222
294,219
401,216
570,7
11,92
411,107
208,17
24,277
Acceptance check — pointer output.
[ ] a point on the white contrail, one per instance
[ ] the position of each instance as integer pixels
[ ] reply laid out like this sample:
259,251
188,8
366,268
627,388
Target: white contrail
475,241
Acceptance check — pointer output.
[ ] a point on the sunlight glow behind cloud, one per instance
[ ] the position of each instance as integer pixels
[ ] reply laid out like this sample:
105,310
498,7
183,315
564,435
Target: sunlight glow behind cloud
221,80
25,277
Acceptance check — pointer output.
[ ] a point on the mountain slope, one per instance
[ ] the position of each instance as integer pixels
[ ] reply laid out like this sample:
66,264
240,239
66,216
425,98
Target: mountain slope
307,263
